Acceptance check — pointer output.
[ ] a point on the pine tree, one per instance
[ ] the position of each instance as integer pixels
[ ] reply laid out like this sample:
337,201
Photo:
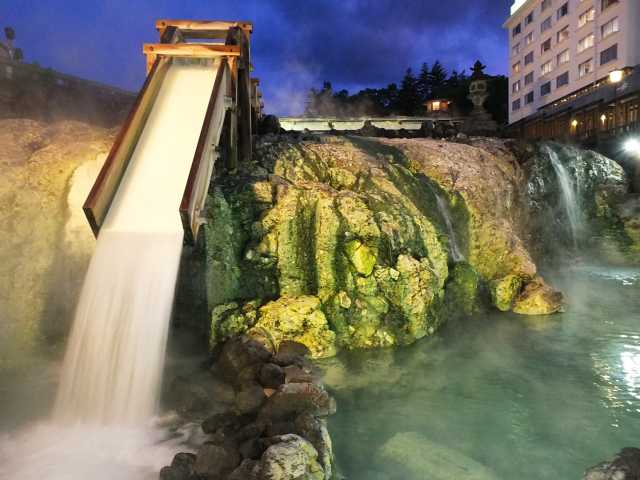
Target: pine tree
408,97
424,82
438,79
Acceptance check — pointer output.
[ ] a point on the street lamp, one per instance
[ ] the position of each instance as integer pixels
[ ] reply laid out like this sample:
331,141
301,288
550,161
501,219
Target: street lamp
632,146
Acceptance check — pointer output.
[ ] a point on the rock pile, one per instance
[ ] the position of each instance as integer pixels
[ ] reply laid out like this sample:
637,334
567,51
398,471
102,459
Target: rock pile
277,428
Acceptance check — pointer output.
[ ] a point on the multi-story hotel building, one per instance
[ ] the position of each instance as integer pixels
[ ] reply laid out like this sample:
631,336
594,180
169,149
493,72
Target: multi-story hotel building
571,57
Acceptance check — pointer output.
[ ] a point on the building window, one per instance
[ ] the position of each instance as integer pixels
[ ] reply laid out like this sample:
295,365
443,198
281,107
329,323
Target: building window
545,89
546,67
515,105
545,4
528,19
515,50
546,25
516,67
564,57
586,42
515,87
586,17
528,40
546,46
528,98
585,68
516,30
609,55
528,78
563,35
607,3
528,58
563,10
609,28
562,80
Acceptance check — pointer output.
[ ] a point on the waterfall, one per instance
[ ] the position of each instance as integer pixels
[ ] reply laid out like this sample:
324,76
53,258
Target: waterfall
113,365
570,194
443,208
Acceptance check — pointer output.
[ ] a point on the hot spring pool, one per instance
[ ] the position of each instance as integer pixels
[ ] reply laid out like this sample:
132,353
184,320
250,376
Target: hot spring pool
499,396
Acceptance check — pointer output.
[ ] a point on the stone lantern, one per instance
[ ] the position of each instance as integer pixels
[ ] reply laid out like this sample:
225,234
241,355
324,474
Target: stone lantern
479,120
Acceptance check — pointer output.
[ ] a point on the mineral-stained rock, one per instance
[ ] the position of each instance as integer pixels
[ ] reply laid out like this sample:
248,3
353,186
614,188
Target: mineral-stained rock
291,457
625,466
505,290
414,455
296,318
538,298
314,429
215,461
293,399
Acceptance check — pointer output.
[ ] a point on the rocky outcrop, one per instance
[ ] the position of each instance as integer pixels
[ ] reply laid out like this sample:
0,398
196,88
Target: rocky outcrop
47,171
624,466
276,428
344,238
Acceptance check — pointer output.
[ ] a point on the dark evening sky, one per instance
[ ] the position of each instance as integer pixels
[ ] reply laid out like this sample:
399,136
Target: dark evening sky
296,43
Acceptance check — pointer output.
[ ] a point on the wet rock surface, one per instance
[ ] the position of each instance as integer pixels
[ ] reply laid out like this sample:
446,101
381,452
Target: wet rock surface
624,466
275,428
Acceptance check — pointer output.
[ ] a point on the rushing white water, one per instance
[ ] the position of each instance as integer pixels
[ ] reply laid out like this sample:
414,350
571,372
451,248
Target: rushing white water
443,208
102,426
569,194
114,360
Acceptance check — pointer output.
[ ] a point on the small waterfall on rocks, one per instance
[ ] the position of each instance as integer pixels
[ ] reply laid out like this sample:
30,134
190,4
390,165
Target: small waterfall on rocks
102,425
569,189
443,208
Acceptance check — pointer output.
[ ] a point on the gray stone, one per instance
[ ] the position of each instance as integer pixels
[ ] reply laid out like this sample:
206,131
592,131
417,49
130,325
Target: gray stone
249,398
248,470
271,375
216,460
315,431
293,399
239,353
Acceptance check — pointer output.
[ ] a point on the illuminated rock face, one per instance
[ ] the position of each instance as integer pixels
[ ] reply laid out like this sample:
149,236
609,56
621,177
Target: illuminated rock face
47,170
353,226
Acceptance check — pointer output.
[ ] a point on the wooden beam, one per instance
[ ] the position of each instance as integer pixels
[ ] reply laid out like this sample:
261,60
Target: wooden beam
190,27
199,50
106,185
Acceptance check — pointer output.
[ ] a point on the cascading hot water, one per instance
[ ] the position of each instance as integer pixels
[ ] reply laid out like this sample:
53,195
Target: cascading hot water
570,194
112,369
443,208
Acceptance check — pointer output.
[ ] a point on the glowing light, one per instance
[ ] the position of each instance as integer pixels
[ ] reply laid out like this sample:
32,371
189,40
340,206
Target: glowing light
603,118
616,76
574,123
632,146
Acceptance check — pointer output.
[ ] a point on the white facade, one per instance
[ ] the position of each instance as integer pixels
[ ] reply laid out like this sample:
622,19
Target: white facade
557,47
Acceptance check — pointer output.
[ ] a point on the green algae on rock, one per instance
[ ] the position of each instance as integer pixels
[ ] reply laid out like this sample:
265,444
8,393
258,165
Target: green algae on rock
354,225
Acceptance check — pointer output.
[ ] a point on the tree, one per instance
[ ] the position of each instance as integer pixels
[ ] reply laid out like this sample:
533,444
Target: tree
408,97
18,56
438,78
424,82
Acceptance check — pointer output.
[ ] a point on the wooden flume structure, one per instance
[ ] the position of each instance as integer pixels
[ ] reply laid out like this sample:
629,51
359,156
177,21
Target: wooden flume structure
232,111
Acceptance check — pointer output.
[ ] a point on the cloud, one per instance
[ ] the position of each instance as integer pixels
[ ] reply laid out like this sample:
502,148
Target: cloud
296,44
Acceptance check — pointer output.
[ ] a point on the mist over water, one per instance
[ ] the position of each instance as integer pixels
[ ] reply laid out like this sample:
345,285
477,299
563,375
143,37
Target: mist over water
102,426
526,397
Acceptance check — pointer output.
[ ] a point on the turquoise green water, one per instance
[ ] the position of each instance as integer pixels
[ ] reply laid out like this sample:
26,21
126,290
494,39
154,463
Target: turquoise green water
499,396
